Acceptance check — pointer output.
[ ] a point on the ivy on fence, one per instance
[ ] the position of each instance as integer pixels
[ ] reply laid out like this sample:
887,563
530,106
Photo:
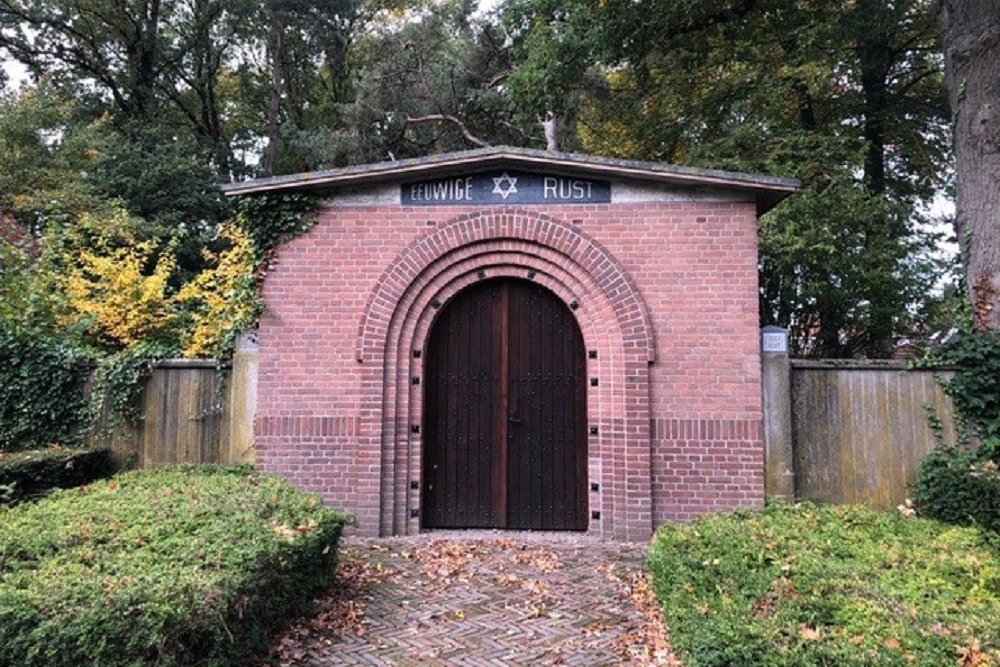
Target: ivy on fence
44,380
961,484
975,387
42,384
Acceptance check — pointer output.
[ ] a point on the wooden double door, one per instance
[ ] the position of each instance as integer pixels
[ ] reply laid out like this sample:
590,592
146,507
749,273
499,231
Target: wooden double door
505,404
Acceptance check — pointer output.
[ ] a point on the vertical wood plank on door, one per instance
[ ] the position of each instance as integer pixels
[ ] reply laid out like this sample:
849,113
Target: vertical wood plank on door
505,411
504,394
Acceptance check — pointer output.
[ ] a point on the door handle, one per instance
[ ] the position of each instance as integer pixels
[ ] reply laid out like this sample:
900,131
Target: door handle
511,419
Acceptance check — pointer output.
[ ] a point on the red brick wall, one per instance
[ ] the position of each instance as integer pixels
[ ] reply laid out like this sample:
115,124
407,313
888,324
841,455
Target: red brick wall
674,283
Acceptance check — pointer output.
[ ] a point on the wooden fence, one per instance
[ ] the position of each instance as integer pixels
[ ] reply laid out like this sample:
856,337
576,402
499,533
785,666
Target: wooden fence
860,429
835,431
192,413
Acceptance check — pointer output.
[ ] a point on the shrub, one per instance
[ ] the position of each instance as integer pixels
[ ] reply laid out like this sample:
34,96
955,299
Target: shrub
41,391
27,475
961,485
975,385
805,585
168,567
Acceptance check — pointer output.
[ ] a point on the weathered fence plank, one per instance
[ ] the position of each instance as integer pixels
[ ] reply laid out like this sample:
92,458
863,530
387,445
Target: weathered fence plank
860,429
186,418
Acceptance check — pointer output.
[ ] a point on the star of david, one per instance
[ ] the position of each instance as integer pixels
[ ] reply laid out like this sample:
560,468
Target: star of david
504,185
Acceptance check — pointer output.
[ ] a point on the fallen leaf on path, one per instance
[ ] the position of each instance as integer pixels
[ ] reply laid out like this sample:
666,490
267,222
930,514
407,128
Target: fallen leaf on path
647,646
341,613
972,656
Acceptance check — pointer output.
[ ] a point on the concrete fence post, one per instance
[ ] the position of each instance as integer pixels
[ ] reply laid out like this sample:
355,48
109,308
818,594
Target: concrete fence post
779,454
243,399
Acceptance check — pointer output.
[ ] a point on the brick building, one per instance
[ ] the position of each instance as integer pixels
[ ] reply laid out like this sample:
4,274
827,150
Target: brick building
517,339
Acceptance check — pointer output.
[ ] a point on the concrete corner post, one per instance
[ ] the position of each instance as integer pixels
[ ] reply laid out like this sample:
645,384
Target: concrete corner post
779,455
243,399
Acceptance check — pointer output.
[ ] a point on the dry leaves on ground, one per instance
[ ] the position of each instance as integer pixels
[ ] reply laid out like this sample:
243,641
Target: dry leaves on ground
648,645
416,572
341,612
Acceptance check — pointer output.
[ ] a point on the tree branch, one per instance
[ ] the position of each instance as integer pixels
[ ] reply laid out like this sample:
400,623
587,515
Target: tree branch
448,118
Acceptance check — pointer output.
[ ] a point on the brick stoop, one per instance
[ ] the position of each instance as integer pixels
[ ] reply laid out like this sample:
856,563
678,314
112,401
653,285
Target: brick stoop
487,598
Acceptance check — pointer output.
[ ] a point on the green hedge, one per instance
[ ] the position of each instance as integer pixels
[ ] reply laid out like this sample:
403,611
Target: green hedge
846,586
42,384
186,566
27,475
961,485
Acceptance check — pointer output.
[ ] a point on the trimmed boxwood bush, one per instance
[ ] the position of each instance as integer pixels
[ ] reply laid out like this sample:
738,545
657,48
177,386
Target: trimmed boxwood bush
846,586
27,475
961,485
186,566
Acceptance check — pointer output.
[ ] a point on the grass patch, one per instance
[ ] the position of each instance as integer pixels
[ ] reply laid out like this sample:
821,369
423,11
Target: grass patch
186,566
808,585
28,475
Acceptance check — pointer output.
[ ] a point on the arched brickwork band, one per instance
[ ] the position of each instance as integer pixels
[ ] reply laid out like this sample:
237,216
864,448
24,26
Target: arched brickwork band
611,315
507,223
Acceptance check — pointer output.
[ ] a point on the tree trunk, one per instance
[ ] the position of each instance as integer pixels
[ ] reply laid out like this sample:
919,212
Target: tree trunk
876,61
277,48
970,31
141,45
549,126
874,58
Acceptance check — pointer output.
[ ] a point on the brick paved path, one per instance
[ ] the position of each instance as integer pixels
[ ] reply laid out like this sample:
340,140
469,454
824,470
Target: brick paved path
483,598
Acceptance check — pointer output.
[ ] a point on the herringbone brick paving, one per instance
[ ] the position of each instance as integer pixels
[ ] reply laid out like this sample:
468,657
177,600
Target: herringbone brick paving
483,598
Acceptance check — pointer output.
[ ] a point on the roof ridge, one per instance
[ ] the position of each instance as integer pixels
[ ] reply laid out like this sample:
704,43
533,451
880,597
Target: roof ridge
771,189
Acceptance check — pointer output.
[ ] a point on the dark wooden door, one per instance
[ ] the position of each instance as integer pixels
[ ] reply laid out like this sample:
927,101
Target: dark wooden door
505,441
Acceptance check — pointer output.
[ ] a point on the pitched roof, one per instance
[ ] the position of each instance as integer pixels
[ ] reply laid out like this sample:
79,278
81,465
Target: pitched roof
766,190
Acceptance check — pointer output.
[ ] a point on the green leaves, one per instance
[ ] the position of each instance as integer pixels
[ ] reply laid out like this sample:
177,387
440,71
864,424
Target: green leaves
553,51
829,267
846,96
272,219
117,385
41,391
808,585
975,386
167,567
961,486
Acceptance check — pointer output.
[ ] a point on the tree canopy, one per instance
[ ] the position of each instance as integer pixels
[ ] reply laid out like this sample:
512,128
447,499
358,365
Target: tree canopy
847,96
136,108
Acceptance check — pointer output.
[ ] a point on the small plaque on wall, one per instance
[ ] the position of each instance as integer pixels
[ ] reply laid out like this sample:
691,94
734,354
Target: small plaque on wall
505,187
774,340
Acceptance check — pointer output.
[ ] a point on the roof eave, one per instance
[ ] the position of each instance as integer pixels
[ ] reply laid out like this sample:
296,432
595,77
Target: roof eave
767,191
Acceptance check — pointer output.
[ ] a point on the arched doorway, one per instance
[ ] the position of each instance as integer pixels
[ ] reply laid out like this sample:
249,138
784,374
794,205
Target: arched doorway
505,405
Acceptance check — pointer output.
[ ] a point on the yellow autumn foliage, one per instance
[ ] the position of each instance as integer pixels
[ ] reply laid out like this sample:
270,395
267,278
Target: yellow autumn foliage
118,288
222,299
122,304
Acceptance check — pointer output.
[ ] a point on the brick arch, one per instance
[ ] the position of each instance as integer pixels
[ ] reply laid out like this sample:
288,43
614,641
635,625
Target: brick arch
402,402
577,247
613,319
